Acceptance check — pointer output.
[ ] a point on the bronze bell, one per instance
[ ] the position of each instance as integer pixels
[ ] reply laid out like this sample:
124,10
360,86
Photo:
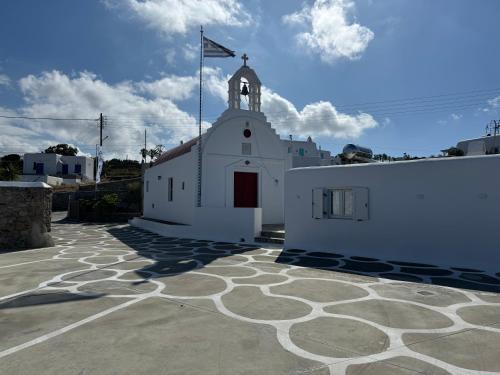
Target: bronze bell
244,90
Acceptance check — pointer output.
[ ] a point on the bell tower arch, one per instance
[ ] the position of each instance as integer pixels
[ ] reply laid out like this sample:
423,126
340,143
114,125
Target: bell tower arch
251,87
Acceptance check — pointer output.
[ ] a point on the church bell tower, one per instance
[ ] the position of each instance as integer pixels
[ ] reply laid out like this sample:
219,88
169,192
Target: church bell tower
244,82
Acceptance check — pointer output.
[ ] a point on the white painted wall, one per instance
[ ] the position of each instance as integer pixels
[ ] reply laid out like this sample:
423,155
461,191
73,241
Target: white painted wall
222,156
86,163
51,180
217,224
480,145
440,211
21,184
51,163
156,204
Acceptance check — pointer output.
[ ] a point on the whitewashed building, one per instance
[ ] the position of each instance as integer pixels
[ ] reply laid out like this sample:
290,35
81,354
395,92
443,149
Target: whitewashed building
441,211
489,144
57,168
306,154
243,164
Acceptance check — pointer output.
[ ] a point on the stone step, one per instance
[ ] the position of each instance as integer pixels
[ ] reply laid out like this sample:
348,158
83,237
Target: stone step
273,233
270,240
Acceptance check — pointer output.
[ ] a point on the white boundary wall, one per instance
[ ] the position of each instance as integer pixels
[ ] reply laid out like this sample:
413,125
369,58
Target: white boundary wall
51,180
442,211
212,223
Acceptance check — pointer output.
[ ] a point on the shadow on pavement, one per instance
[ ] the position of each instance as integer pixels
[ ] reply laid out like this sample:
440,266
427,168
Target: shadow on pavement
465,278
174,255
41,298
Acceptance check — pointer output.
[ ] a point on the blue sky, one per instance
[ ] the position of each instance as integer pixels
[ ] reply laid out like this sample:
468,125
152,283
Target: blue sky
340,71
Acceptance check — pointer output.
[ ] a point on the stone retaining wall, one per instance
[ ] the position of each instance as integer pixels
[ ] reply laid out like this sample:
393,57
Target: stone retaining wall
25,210
60,200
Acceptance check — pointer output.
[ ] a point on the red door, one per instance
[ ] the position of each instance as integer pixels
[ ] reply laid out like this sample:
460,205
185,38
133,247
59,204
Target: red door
245,189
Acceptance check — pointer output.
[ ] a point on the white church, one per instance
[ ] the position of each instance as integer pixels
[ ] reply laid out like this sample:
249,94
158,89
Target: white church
243,164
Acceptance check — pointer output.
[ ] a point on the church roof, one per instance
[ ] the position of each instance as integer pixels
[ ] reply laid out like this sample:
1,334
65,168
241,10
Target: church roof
176,151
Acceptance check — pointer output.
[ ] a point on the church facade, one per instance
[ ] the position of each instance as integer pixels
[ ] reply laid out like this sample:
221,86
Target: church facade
243,163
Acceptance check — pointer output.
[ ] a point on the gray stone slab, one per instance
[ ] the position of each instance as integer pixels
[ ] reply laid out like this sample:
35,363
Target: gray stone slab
481,315
320,290
423,293
249,302
338,337
393,314
189,284
113,287
489,297
473,349
396,366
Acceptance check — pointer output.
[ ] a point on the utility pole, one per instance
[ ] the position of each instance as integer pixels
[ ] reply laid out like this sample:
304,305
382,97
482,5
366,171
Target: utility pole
101,123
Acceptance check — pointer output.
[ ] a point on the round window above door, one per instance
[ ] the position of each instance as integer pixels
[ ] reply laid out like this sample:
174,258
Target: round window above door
247,133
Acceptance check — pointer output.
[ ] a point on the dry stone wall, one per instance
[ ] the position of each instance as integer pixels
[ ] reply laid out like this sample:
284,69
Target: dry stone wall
25,210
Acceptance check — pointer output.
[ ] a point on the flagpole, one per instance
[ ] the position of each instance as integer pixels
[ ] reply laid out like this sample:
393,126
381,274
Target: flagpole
199,120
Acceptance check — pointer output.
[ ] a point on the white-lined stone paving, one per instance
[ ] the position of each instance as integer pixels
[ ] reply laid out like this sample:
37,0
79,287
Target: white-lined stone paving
343,321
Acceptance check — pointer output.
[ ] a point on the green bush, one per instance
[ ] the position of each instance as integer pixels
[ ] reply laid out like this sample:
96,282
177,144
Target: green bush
108,203
9,172
96,208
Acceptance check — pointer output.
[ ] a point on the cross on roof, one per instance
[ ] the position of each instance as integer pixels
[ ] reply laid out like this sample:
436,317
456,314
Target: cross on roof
244,58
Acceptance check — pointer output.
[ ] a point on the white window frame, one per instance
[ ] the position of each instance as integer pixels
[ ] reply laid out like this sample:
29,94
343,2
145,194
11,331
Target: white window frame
342,192
322,203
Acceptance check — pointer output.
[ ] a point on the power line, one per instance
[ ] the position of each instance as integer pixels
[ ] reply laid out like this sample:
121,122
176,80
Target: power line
402,108
49,118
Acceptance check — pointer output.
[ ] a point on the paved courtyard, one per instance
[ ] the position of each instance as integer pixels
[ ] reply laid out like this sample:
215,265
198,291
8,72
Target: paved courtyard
113,299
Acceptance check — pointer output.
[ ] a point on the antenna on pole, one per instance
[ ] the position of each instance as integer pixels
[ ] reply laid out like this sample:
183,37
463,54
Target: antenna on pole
496,129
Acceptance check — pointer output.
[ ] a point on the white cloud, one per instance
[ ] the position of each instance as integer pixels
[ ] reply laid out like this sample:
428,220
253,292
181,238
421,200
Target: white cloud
170,87
495,102
329,31
456,117
4,80
315,119
190,52
133,106
178,16
170,56
54,94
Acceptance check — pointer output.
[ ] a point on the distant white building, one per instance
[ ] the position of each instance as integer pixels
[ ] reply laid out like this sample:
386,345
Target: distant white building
305,154
480,146
243,164
57,168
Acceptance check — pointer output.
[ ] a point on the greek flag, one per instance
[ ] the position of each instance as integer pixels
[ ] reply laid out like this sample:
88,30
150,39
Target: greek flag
213,49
